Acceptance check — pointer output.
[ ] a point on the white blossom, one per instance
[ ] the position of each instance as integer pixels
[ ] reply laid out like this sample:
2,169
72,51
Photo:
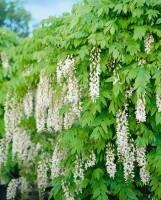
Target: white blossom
57,157
79,171
122,131
140,109
28,104
91,161
129,160
142,162
158,102
65,70
79,174
144,175
141,62
24,187
71,94
94,73
4,59
11,189
72,97
42,102
128,92
22,147
147,43
42,177
54,119
66,191
12,117
4,145
110,161
59,71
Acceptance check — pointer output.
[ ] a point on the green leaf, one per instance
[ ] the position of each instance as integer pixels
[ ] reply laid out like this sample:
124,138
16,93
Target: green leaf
112,30
158,21
97,173
158,118
139,32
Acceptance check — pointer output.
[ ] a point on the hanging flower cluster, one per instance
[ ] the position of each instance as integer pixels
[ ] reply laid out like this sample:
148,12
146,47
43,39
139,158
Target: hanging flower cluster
110,161
158,102
11,189
91,161
22,146
79,171
12,117
28,104
42,102
3,151
4,59
122,132
42,177
66,77
94,73
147,43
66,191
54,119
140,109
125,147
141,159
129,162
55,162
24,187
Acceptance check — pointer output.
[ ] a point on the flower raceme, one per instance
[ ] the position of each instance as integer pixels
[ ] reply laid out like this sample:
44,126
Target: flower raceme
140,109
141,159
110,161
94,83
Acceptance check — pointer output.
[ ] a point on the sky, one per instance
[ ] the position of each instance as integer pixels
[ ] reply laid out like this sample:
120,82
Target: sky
41,9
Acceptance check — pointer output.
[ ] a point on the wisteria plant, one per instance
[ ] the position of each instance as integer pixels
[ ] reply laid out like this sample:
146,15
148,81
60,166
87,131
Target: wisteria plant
82,114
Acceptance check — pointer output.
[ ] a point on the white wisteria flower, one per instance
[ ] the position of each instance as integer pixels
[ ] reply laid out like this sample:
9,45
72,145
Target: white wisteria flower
11,189
24,187
22,147
94,83
110,161
67,194
122,131
12,116
57,157
28,103
148,40
71,94
142,162
91,160
4,147
42,177
158,102
42,101
140,109
79,171
128,92
129,160
5,63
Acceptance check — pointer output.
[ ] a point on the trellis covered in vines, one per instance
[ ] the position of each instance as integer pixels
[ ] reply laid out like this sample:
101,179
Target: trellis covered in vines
82,108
